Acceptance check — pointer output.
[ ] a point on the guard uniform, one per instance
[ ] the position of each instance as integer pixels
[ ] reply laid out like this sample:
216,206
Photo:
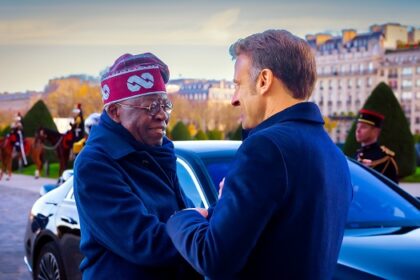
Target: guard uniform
383,159
78,126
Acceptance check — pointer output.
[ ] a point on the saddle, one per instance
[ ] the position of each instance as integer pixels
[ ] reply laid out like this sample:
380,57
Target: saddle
68,140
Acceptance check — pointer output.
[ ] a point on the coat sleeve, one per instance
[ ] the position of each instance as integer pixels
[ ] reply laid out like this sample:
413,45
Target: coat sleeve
252,192
116,218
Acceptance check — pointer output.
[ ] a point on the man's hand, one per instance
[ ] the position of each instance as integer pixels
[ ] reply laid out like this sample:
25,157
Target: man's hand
202,211
366,162
221,185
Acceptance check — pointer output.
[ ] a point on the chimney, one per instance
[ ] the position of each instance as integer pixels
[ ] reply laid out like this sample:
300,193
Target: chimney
376,28
348,35
321,38
309,37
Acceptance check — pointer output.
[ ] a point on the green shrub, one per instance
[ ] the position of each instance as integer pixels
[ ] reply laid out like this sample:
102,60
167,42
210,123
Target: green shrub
236,134
180,132
215,134
38,116
201,135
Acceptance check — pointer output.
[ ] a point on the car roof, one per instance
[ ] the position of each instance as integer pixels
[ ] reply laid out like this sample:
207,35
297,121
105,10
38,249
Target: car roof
207,147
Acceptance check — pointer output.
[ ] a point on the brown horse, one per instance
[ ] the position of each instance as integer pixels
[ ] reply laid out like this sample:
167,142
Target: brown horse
33,148
61,143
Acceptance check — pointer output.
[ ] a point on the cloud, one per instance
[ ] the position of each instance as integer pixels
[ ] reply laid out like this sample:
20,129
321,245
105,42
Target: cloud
27,31
218,26
121,29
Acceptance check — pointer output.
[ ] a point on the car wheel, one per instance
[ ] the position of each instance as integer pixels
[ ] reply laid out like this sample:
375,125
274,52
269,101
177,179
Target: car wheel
49,265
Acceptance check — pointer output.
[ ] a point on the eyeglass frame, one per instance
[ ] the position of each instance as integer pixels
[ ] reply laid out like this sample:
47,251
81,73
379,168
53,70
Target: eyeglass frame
164,106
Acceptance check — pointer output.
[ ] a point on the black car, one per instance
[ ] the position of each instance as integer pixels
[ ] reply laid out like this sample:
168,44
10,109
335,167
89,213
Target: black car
382,238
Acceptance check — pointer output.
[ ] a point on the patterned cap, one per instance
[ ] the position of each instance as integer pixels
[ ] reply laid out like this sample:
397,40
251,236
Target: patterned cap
134,75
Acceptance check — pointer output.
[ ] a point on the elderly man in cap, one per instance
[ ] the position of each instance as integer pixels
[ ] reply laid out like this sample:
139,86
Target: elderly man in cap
126,185
372,154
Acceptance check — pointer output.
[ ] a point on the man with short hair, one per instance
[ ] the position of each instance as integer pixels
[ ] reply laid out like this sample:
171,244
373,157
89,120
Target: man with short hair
371,154
284,204
126,185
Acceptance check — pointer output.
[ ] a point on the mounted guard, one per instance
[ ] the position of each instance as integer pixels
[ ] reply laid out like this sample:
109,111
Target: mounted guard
78,125
19,144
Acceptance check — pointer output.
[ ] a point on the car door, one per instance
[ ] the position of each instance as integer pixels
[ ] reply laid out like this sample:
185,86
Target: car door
68,231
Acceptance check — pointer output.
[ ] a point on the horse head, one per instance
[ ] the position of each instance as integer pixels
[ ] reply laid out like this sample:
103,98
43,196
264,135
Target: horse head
11,139
49,135
40,135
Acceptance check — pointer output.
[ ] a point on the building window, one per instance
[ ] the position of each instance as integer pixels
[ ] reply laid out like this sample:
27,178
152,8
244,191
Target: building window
407,83
418,70
417,97
327,70
362,68
393,84
369,82
407,95
349,83
393,73
417,83
358,83
407,71
370,66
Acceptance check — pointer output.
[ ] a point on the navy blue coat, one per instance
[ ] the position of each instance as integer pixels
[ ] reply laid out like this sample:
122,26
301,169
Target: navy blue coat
283,209
125,192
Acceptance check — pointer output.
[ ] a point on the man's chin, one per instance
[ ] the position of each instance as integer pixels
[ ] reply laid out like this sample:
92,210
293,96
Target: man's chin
158,142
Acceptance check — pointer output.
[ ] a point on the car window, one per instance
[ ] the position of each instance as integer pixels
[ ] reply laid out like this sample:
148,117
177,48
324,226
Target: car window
190,185
217,169
376,204
70,194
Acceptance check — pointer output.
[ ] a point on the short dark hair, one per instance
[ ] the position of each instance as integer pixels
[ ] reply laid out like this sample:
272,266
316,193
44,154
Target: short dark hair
289,57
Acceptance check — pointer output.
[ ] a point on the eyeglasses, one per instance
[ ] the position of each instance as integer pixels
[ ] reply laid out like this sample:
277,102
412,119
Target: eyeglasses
154,108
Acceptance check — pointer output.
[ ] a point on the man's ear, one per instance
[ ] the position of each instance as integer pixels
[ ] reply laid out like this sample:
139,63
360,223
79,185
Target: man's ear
114,113
264,81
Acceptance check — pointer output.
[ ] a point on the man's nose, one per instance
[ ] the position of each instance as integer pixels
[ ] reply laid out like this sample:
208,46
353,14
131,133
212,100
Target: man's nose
235,100
162,115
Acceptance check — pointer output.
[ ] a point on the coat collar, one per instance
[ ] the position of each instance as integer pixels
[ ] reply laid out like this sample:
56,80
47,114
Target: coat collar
304,111
372,146
116,140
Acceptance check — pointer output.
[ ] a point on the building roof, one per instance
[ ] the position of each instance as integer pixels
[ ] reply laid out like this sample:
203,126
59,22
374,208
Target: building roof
336,43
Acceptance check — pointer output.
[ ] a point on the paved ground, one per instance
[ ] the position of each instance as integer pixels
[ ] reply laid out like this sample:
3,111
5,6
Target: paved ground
412,188
16,199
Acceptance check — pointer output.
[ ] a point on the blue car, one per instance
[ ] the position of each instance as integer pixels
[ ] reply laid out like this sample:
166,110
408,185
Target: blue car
382,238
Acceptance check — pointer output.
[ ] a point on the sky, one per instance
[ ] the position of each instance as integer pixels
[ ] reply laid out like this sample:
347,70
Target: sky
45,39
